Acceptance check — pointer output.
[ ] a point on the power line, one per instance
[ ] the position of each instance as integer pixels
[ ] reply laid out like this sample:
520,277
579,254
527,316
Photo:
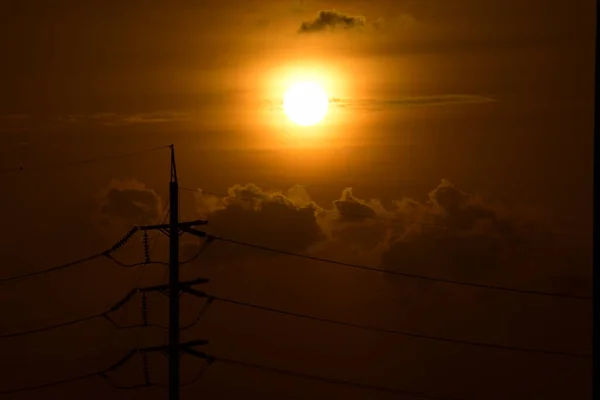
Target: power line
137,264
195,378
105,253
101,373
203,246
403,333
81,162
105,314
333,381
52,269
405,274
51,384
50,327
200,313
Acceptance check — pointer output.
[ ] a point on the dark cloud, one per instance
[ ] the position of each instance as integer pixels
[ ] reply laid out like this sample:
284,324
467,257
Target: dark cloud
266,218
130,203
443,254
331,20
355,222
459,210
453,234
459,235
351,207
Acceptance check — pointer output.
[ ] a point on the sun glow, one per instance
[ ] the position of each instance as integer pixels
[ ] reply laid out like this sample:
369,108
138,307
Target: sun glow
305,103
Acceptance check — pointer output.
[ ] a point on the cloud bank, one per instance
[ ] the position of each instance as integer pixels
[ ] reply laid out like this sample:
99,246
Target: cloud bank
452,234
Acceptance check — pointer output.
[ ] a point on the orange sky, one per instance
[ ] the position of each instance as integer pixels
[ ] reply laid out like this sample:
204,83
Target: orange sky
458,112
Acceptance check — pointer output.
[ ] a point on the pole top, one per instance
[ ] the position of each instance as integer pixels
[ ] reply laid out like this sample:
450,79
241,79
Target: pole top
173,165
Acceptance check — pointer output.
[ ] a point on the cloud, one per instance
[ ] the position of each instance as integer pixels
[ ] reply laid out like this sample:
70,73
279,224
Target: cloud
269,218
114,119
129,202
416,101
455,233
331,20
452,234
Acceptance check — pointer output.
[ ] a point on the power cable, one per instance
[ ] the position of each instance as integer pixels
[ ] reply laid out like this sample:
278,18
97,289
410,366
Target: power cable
195,378
205,243
137,264
50,327
105,253
334,381
53,269
104,315
50,384
403,333
405,274
200,314
101,373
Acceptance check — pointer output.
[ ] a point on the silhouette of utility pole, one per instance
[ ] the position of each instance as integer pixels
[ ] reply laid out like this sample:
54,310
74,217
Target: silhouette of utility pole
174,229
596,256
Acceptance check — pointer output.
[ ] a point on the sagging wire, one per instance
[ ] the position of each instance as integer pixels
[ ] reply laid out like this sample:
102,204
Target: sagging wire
209,301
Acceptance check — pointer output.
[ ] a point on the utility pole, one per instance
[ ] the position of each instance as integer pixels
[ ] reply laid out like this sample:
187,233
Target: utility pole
596,212
174,282
175,288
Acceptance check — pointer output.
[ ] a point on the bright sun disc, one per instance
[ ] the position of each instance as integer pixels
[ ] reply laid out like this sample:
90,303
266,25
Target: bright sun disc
305,103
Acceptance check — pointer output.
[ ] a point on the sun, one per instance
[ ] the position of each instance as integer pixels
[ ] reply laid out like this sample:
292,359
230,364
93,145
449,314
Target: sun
305,103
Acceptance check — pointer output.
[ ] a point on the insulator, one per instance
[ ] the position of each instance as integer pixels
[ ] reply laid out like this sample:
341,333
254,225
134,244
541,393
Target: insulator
124,239
146,248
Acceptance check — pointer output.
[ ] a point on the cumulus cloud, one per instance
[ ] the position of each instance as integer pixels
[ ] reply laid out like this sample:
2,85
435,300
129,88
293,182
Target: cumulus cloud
129,202
329,19
452,234
269,218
